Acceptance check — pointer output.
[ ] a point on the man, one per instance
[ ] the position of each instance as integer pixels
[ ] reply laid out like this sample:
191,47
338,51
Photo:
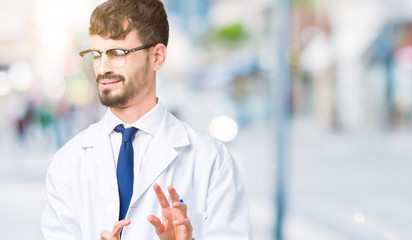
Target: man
107,181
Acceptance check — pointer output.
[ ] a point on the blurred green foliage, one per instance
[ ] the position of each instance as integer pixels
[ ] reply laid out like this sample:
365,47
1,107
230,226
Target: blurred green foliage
303,2
229,35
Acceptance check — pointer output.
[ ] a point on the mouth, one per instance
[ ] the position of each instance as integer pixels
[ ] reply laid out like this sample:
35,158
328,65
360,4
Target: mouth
107,83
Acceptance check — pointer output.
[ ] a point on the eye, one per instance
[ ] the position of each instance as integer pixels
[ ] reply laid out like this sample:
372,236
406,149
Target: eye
115,53
96,54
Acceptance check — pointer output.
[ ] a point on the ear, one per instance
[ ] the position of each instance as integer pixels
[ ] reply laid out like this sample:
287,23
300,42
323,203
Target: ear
159,53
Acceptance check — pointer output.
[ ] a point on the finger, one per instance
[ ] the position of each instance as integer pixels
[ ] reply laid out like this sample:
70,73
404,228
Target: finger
160,196
105,235
181,207
173,194
184,222
118,226
157,224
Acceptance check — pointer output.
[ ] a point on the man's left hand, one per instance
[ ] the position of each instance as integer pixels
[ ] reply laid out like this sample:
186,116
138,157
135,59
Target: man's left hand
175,225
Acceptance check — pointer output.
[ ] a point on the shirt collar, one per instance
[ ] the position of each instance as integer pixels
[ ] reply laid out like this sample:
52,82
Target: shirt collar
148,123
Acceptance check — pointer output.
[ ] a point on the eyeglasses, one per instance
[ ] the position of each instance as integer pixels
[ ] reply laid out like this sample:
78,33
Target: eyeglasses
116,56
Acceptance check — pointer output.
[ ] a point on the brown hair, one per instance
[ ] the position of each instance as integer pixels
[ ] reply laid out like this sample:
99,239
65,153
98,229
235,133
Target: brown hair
147,16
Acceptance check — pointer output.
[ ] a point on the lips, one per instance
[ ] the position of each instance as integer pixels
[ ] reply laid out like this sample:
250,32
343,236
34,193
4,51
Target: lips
105,83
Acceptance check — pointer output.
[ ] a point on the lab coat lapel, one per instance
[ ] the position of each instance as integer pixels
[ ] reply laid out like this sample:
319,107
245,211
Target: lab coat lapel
101,153
159,157
161,153
102,156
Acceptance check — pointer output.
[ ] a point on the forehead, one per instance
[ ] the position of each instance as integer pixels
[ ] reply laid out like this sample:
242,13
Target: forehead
103,43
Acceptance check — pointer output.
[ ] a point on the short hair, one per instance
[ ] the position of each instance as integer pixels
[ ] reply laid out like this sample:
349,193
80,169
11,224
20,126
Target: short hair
147,16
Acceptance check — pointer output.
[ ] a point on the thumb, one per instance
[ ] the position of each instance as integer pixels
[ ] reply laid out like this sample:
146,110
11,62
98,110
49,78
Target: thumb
118,226
157,224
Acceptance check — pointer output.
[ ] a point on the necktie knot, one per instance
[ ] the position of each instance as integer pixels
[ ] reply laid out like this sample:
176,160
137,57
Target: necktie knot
128,134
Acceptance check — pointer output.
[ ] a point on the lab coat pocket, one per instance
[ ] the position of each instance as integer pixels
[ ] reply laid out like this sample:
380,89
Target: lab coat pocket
198,222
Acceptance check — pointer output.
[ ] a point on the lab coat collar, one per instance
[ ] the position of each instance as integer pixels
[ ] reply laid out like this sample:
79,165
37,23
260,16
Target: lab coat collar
148,123
171,134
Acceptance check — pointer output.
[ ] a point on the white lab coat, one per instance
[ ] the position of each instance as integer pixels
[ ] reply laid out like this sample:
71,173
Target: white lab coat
82,194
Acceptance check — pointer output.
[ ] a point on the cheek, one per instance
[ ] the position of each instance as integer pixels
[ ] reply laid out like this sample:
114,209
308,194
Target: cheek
137,73
136,69
128,75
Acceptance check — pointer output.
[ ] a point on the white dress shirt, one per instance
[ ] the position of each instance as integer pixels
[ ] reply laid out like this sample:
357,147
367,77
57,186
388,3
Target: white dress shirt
148,126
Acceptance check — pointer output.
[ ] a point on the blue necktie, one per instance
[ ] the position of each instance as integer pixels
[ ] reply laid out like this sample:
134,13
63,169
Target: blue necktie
125,168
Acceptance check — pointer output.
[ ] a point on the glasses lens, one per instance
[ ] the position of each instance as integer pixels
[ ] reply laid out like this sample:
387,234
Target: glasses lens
117,57
92,59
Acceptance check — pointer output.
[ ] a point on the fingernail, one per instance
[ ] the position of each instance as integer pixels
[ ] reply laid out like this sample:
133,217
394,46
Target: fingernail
181,200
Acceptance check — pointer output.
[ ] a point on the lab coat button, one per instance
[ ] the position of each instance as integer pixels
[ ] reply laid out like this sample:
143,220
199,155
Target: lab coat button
111,208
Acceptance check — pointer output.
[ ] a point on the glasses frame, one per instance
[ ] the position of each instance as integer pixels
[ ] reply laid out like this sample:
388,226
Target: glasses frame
126,52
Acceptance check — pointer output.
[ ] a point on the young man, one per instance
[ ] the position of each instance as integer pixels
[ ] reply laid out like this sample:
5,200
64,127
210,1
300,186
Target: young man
106,182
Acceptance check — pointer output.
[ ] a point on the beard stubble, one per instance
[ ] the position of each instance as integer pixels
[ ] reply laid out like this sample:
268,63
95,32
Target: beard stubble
130,89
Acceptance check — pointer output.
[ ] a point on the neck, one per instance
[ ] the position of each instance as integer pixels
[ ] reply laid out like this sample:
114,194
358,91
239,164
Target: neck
134,112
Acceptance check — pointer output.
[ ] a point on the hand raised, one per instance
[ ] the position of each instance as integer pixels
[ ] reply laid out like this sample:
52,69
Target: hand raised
175,225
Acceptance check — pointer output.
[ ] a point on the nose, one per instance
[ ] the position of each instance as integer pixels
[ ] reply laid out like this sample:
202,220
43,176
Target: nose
105,66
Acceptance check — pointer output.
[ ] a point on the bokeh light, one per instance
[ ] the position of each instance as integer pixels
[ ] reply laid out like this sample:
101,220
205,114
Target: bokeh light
21,76
224,128
5,85
78,89
358,217
54,85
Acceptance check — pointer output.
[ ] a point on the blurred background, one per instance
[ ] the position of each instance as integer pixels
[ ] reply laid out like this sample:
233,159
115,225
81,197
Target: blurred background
312,97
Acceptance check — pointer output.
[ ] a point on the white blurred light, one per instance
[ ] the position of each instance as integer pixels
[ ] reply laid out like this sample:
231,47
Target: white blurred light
55,41
387,235
55,91
5,85
54,85
317,54
358,217
223,128
21,76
